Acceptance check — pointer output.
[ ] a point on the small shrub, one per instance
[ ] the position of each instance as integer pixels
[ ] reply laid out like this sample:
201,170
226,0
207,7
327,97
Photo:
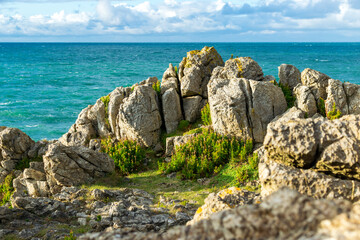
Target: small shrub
290,99
176,70
334,113
205,115
128,155
183,125
25,162
156,86
232,56
321,107
70,237
6,189
204,154
98,218
248,171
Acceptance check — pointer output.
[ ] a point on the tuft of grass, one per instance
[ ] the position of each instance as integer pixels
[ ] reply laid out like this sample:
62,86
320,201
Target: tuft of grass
205,115
157,87
128,155
248,170
204,154
321,107
290,99
6,189
334,113
70,236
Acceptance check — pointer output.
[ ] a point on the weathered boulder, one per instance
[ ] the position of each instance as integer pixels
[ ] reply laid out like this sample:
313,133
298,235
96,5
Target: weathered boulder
195,71
291,113
225,199
292,216
289,75
336,95
243,67
305,100
352,92
274,176
116,99
139,117
192,107
173,142
317,82
243,108
14,147
170,80
69,166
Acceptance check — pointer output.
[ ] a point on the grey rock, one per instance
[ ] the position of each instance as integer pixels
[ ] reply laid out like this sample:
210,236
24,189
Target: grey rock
336,95
170,80
352,92
317,82
173,142
192,108
289,75
171,109
305,100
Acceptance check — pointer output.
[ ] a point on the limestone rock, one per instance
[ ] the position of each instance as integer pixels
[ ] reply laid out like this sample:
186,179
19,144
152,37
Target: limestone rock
291,113
173,142
195,71
292,216
274,176
305,100
243,67
170,80
243,108
192,108
225,199
336,95
171,109
139,117
352,92
289,75
116,99
317,82
69,166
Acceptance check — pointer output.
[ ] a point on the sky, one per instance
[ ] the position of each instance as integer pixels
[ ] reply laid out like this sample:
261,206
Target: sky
180,21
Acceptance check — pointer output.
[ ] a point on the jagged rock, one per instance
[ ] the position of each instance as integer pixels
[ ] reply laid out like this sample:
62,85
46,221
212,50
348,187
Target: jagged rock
69,166
274,176
173,142
289,75
139,117
170,80
329,146
291,113
317,82
225,199
14,147
38,206
292,216
336,95
243,108
353,97
305,100
149,81
243,67
171,109
195,71
192,108
116,99
269,78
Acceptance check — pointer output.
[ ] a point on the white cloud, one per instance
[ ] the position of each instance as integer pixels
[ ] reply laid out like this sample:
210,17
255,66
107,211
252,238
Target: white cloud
267,17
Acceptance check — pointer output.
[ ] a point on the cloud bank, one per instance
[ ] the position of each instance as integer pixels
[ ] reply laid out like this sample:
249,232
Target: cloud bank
275,18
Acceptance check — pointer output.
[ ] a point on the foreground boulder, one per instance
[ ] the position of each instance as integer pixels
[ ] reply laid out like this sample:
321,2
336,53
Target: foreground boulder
242,107
317,82
292,216
315,156
289,76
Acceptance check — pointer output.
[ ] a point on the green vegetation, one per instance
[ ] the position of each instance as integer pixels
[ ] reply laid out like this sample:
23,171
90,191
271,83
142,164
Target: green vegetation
98,218
70,237
128,155
176,70
334,113
248,171
290,99
321,107
25,162
6,189
205,115
232,56
106,101
156,86
205,154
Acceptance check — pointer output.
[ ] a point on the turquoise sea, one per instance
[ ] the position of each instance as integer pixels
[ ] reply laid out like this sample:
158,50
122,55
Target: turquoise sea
44,86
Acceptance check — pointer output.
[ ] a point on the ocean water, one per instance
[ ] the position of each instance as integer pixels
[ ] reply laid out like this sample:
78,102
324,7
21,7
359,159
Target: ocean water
44,86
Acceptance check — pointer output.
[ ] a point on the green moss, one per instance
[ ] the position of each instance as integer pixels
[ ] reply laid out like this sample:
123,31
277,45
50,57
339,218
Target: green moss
290,99
334,113
25,162
6,189
106,101
156,86
205,115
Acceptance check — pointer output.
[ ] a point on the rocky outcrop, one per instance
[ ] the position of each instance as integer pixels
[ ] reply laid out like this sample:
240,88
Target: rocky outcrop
292,216
314,156
225,199
170,98
131,113
305,100
139,117
289,76
242,107
194,74
316,81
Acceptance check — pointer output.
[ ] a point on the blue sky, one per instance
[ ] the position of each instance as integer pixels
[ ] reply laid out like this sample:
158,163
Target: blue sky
180,21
